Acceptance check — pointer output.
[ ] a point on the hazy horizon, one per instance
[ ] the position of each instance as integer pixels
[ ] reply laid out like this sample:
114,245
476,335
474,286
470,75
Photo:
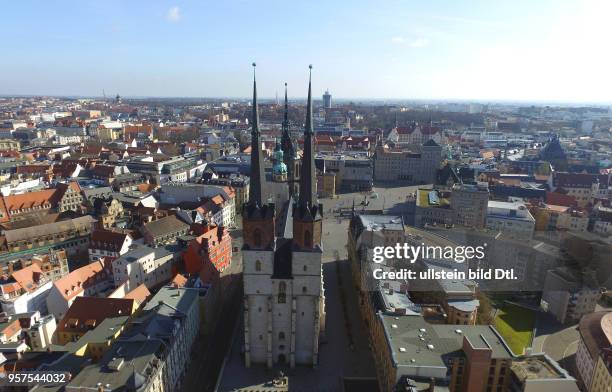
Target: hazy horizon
521,51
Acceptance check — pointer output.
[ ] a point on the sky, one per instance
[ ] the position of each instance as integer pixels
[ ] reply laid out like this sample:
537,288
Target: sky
544,50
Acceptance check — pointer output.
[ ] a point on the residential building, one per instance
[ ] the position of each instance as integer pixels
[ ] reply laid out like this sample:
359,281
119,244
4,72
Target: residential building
213,246
582,187
351,173
595,335
143,264
64,197
569,294
52,263
89,280
86,313
512,218
71,235
416,166
537,373
107,244
153,353
25,290
408,350
40,334
464,205
108,211
416,133
469,203
602,374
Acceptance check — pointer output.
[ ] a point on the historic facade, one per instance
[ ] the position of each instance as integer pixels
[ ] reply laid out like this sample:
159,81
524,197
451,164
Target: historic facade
284,301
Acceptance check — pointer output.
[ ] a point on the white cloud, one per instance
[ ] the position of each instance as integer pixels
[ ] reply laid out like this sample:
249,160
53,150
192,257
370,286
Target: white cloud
415,43
173,14
419,43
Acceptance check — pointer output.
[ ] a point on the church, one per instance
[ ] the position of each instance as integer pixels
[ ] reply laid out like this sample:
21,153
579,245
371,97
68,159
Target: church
284,298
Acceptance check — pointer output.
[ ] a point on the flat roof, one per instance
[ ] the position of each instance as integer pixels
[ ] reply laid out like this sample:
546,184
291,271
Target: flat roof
415,343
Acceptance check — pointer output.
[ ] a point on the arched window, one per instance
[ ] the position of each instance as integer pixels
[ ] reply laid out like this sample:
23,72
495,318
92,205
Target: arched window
257,265
257,238
307,239
281,336
282,288
304,289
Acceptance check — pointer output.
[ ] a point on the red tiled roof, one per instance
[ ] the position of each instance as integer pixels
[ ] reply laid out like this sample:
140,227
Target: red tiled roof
140,294
96,309
76,281
560,199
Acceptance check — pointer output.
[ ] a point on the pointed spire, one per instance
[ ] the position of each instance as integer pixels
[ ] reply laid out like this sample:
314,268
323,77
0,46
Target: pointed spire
286,114
309,129
257,170
308,179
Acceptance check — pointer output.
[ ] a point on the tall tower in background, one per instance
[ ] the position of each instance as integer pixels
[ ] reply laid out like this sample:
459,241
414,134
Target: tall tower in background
284,301
327,100
290,157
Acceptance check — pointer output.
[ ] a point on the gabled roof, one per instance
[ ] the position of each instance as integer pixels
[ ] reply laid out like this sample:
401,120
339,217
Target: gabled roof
140,294
76,281
168,224
31,200
28,277
109,240
87,312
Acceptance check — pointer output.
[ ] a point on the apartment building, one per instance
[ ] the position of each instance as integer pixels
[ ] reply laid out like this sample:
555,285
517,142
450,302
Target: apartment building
89,280
569,294
464,205
595,336
109,245
153,353
409,351
537,373
71,235
416,166
88,312
143,264
164,230
512,218
25,291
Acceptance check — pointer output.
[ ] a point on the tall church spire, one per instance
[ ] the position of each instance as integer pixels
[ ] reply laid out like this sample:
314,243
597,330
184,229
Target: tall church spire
308,179
257,169
286,143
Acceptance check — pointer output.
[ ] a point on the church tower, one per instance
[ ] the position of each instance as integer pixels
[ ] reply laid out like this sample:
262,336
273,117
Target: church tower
284,301
290,157
308,250
257,216
307,219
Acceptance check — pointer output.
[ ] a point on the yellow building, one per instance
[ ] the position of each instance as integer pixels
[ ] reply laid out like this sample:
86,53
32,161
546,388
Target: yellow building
10,144
602,374
109,134
328,185
96,341
87,313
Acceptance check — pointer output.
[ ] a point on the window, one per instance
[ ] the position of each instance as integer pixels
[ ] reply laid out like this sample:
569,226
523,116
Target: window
304,289
305,268
257,265
282,288
281,336
307,239
257,238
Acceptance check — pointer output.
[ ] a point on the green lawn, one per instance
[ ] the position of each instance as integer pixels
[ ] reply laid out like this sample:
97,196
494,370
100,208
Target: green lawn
515,324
